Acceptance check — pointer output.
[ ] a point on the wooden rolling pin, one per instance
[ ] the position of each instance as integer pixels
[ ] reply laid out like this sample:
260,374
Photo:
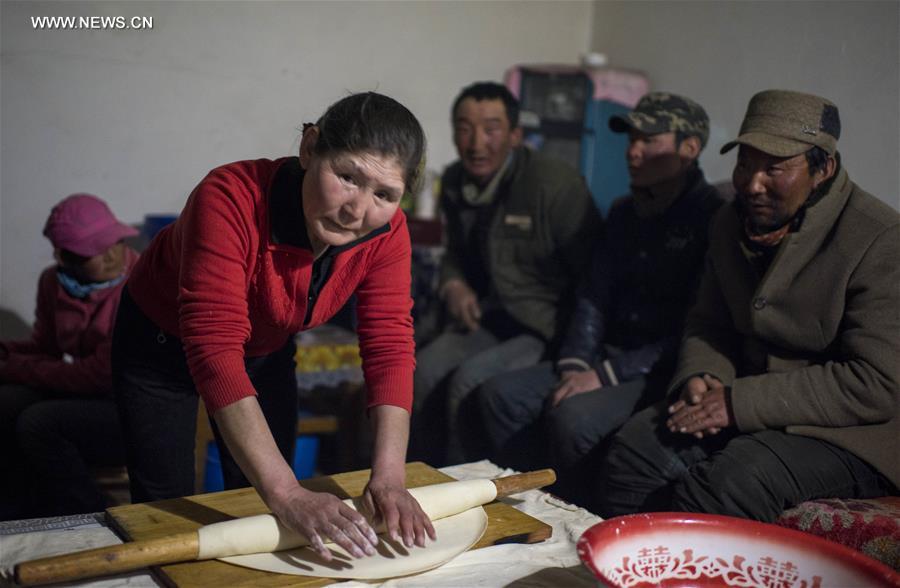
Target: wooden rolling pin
230,537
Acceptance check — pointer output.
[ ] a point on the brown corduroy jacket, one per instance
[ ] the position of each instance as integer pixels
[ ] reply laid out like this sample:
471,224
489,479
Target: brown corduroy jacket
812,348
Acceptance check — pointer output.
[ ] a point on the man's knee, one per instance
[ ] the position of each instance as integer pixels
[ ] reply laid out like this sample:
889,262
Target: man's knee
35,425
594,416
571,433
469,375
431,367
736,481
492,360
637,467
622,457
641,430
497,399
14,398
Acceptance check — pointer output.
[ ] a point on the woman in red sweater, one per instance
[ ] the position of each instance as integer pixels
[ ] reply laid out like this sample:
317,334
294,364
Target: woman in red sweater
264,249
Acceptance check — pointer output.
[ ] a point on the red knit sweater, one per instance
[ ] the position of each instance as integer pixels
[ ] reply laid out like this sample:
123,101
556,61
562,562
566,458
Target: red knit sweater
216,280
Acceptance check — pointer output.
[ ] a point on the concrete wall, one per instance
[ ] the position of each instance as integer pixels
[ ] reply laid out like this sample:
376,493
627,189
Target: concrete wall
722,52
139,116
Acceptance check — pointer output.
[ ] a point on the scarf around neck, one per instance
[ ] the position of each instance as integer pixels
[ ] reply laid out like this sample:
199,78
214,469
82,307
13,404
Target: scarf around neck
81,290
476,196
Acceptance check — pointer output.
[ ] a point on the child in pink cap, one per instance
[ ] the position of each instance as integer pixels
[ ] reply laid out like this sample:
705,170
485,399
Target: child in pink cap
57,416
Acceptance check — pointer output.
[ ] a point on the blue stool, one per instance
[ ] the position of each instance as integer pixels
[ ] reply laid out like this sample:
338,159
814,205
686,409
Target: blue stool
305,453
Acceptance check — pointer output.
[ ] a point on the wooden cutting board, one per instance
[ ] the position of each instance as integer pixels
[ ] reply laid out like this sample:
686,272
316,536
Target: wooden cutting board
167,517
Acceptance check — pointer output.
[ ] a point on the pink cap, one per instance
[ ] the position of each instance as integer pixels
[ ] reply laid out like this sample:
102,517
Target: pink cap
84,225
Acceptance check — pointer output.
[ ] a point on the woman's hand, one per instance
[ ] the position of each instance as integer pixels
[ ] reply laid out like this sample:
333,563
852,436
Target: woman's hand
385,496
318,516
401,514
322,517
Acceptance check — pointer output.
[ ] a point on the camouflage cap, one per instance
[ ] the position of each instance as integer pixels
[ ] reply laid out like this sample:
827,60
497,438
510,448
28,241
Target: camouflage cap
784,124
662,112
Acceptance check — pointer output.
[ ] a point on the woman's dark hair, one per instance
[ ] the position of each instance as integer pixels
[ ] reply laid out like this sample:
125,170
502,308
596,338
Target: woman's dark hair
375,123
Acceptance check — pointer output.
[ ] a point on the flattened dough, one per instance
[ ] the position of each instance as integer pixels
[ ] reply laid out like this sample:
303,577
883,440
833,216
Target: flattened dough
455,534
265,533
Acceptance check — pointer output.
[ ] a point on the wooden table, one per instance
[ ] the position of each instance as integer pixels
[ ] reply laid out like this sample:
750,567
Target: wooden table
158,519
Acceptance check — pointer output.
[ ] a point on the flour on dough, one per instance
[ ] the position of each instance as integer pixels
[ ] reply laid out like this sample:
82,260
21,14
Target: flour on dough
455,535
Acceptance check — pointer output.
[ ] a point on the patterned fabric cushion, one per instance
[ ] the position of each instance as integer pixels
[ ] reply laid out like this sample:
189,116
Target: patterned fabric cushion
871,526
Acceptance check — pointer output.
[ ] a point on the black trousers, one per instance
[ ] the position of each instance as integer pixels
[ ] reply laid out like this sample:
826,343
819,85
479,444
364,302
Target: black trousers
48,443
525,433
754,475
157,403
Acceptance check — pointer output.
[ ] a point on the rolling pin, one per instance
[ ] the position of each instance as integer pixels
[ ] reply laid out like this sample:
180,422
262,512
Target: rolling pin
268,534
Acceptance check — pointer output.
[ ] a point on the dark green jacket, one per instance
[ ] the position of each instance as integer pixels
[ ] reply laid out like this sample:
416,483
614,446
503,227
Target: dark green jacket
538,241
812,348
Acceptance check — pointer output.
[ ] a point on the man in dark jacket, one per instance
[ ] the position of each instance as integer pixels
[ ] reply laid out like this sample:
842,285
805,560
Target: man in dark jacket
622,339
516,224
787,385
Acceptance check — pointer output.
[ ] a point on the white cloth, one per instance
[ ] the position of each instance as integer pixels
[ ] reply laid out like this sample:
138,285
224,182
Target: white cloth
32,545
550,563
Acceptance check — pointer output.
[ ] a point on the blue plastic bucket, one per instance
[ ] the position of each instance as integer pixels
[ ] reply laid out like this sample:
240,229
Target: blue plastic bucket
212,472
306,452
153,223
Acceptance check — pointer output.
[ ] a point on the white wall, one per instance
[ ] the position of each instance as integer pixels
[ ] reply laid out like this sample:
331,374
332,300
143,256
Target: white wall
139,116
722,52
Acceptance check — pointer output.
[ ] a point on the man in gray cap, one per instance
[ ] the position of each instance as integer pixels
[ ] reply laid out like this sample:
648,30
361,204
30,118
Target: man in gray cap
787,384
620,347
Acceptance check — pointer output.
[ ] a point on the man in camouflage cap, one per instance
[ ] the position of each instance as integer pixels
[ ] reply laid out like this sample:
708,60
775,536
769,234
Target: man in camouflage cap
666,132
787,387
662,112
620,347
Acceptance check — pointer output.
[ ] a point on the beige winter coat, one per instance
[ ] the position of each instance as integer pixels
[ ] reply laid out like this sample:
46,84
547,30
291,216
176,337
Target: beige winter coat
813,348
